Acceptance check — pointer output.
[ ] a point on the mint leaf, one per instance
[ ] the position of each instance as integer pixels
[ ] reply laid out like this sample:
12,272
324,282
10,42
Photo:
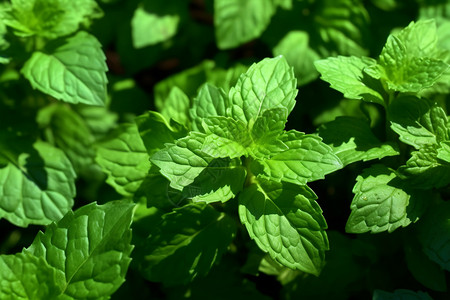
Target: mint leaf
400,295
149,28
73,72
296,49
176,107
424,169
90,249
352,140
176,254
380,204
225,137
49,18
434,234
124,159
286,222
25,276
341,26
38,187
266,131
346,74
268,84
237,22
67,130
157,192
407,60
156,131
183,161
307,159
418,121
211,101
221,181
443,152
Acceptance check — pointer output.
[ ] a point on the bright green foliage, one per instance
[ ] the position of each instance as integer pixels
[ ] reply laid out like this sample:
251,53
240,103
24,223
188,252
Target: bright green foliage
346,75
124,159
237,21
49,18
73,72
190,249
306,159
25,276
286,222
89,250
425,126
295,47
352,140
149,28
155,131
65,128
38,186
249,124
211,101
380,204
269,84
409,62
176,107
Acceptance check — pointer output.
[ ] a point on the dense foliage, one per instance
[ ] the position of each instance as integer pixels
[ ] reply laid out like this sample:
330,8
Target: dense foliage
226,149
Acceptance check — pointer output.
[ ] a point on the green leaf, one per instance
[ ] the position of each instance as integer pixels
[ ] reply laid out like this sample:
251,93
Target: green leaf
400,295
346,74
183,161
199,175
266,131
295,47
418,121
157,192
225,137
341,26
90,249
221,181
443,152
266,85
73,72
176,254
67,130
176,107
381,204
352,140
49,18
188,81
211,101
434,234
149,28
407,60
424,170
38,188
307,159
25,276
156,131
237,22
124,159
286,222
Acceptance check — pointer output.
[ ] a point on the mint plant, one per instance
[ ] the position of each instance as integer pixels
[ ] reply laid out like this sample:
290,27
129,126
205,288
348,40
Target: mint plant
406,80
146,152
